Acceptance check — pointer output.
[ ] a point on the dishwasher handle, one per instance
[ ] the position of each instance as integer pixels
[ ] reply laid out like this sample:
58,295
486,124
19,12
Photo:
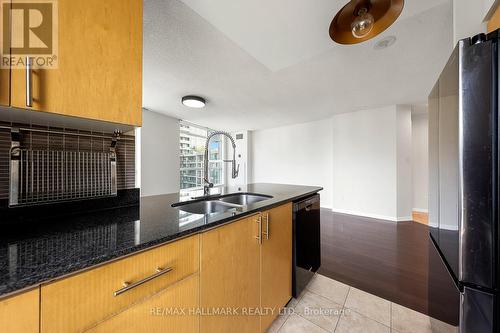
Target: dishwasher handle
308,204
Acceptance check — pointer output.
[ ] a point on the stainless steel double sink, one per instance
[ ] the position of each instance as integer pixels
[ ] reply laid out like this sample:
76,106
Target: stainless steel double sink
220,204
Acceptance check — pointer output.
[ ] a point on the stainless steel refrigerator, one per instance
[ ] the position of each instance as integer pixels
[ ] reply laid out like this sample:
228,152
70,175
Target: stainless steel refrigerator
464,182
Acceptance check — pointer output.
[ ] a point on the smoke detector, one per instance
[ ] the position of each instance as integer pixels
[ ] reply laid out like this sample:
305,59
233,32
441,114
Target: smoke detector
385,43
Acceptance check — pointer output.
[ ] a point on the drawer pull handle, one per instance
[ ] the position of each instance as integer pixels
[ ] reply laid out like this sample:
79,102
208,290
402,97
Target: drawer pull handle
128,286
29,83
259,233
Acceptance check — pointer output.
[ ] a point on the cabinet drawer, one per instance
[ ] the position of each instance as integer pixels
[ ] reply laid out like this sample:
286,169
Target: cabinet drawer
171,310
79,302
20,313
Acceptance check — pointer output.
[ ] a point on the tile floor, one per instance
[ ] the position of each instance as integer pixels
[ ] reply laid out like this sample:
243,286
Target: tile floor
330,306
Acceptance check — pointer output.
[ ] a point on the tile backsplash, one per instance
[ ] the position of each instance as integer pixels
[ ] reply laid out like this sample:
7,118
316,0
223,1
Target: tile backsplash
125,150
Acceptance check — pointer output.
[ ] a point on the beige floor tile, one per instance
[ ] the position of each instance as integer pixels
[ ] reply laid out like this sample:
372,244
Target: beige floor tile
294,301
353,322
277,323
319,310
405,320
329,288
297,324
369,305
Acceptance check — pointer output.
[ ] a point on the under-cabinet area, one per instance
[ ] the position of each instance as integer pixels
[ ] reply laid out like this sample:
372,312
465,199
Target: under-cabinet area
233,277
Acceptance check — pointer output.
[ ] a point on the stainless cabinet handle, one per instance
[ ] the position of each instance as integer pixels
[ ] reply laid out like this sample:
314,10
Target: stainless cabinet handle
259,235
266,233
128,286
29,83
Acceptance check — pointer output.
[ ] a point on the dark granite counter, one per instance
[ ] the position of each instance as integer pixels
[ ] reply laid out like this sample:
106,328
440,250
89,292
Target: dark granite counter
49,248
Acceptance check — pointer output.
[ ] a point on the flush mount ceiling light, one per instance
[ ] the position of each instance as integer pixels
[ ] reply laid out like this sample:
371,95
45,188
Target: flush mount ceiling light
194,101
361,20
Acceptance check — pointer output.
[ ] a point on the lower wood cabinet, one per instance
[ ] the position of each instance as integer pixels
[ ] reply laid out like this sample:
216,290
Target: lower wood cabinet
20,313
247,266
230,277
174,309
276,262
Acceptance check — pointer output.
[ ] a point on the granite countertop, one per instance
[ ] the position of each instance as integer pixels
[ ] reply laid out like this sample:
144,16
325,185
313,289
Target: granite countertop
51,248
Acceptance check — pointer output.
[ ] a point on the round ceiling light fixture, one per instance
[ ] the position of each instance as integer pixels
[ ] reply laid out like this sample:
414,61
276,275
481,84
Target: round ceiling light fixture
194,101
385,43
361,20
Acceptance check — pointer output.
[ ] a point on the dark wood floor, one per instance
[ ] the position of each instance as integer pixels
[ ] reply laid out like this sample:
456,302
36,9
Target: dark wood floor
387,259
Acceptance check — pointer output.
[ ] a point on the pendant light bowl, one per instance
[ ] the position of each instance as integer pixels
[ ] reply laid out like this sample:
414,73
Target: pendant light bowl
383,13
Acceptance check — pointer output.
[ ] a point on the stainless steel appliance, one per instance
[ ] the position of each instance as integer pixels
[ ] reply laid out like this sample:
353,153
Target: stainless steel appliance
464,181
306,258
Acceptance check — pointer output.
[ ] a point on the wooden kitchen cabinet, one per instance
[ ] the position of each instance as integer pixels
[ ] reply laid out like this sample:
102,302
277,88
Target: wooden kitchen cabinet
247,265
171,310
20,313
79,302
276,262
4,72
4,87
230,276
99,74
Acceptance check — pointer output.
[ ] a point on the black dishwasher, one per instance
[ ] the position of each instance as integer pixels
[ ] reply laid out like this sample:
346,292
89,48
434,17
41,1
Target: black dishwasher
306,242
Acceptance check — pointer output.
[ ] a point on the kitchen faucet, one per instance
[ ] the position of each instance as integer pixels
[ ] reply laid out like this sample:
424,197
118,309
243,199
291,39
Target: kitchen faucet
235,170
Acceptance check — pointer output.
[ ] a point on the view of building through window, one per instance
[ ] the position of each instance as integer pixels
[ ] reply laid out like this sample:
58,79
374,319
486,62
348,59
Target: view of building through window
192,150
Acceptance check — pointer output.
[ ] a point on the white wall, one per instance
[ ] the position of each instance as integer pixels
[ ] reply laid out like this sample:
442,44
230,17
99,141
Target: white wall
489,7
420,161
298,154
366,165
159,154
404,160
469,17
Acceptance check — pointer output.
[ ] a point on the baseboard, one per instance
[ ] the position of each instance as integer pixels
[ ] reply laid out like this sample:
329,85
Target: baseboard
420,210
405,218
420,217
372,216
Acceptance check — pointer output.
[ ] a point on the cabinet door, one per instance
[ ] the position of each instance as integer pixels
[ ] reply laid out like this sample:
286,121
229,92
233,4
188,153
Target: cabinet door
276,260
99,74
172,310
4,52
230,277
19,314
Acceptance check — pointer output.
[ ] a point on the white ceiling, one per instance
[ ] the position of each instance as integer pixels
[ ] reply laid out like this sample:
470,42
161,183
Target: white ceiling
267,63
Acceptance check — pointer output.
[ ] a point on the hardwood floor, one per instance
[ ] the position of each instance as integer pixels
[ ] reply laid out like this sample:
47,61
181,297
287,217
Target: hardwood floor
388,259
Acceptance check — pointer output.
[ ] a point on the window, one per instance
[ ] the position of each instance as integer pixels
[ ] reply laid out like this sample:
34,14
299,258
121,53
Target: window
192,151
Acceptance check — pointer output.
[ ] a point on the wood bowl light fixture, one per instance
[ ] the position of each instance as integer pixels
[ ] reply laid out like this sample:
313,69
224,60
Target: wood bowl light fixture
361,20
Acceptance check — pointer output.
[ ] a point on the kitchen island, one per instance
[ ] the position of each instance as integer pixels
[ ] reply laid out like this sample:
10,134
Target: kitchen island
48,253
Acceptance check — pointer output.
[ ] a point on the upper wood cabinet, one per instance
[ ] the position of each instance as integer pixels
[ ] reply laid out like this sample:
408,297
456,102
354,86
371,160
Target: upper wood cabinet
4,72
230,276
4,87
99,73
276,262
20,313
